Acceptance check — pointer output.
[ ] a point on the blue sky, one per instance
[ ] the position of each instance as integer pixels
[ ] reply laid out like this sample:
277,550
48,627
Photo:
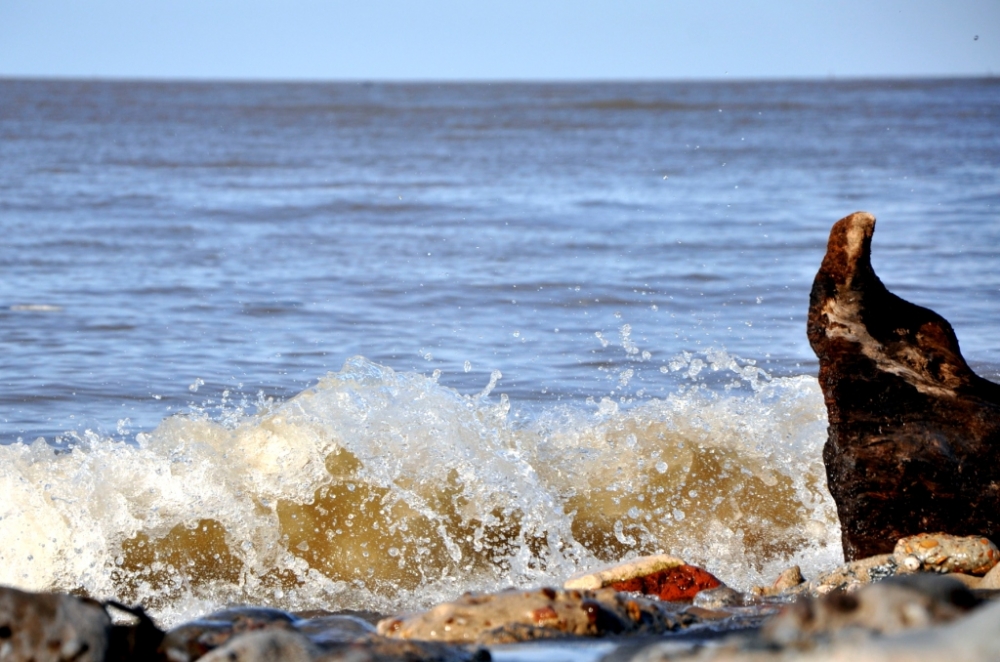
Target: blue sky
515,39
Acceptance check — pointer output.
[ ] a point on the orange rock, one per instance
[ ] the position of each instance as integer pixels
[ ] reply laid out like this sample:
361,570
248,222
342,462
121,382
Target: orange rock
675,584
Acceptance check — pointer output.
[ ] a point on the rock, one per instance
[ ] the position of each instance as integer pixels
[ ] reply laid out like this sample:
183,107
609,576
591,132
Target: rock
140,640
940,552
381,649
890,606
851,576
786,581
52,627
722,596
335,628
189,641
975,637
789,579
672,585
991,580
914,433
969,581
666,577
516,615
194,639
644,565
265,646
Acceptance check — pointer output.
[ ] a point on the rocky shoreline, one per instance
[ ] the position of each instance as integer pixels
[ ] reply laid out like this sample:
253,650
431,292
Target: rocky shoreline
935,592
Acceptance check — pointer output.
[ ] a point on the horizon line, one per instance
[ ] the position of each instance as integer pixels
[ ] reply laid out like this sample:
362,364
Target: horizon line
104,78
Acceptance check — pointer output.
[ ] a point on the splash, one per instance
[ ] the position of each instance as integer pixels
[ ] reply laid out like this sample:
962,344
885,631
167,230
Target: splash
384,490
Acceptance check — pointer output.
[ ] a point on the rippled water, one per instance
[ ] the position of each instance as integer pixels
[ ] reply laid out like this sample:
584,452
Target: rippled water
352,345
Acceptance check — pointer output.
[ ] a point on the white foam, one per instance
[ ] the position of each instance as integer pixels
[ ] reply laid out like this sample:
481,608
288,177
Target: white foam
383,490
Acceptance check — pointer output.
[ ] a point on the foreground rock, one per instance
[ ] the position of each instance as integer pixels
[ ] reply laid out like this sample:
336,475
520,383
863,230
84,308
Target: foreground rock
914,436
516,615
916,618
289,646
888,607
52,627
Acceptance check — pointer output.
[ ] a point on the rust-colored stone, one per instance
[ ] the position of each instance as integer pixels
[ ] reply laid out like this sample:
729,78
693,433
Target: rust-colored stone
673,584
914,436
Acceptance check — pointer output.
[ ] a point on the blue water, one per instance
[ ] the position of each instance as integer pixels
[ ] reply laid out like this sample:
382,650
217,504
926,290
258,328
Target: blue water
596,250
254,236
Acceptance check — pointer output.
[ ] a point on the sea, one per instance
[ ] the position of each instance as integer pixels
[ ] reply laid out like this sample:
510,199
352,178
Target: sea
369,346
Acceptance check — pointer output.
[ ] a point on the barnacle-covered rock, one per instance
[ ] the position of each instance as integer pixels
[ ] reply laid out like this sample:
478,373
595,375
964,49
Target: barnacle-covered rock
940,552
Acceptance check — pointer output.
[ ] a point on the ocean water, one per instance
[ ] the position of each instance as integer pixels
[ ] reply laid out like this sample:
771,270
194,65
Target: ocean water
373,345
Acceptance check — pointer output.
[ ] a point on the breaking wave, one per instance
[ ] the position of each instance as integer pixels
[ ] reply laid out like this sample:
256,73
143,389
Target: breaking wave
383,490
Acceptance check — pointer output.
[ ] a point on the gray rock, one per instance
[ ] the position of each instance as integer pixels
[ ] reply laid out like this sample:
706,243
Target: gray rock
335,628
852,576
265,646
891,606
380,649
991,580
912,618
46,627
192,640
722,596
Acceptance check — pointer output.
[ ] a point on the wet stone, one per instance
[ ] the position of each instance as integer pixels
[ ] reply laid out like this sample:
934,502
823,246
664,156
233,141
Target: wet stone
940,552
672,584
516,615
620,572
666,577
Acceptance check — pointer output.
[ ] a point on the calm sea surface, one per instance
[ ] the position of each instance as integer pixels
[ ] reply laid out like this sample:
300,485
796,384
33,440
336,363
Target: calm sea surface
517,285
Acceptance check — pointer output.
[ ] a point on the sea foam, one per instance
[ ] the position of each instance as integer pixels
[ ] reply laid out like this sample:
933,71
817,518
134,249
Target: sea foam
384,490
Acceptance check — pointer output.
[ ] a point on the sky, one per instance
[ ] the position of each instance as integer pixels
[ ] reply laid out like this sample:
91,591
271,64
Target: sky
487,40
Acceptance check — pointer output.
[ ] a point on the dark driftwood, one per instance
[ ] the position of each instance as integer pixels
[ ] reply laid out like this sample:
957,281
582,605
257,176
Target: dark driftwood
914,436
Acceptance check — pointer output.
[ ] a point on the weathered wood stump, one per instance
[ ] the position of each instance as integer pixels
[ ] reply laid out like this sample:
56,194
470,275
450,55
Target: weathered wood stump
914,436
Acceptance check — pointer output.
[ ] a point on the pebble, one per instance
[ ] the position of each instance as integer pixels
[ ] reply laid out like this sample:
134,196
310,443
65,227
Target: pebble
786,581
